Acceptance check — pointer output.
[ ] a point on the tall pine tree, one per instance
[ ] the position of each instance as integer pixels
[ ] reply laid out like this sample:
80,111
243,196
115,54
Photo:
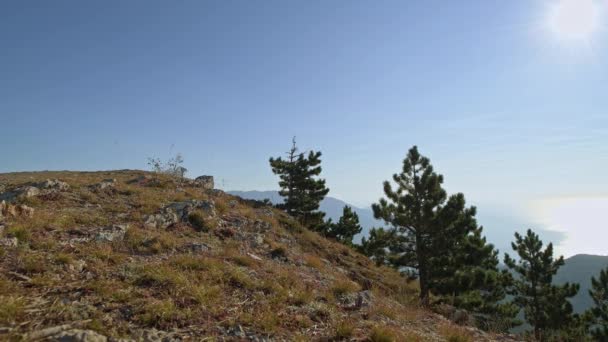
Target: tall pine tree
346,228
599,312
435,237
301,188
546,306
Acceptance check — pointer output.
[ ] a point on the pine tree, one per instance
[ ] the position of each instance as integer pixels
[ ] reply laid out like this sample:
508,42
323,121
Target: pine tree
301,188
346,228
434,236
545,305
376,245
599,294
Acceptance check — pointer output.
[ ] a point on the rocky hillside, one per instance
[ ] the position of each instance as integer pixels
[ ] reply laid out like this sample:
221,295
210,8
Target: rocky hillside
134,256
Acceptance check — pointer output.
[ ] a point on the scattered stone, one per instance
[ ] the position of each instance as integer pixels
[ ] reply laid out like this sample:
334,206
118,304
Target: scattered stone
178,211
9,242
106,184
112,233
205,182
53,184
258,240
196,247
153,335
255,257
356,301
265,212
77,335
161,220
20,276
46,188
78,266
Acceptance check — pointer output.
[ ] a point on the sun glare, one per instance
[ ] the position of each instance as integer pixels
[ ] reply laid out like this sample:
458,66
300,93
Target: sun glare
574,20
579,218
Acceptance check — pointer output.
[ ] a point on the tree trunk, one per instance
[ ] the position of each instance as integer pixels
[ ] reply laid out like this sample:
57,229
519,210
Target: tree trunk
423,278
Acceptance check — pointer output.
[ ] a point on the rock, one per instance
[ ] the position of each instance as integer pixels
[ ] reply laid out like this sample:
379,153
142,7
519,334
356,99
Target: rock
112,233
28,191
258,240
48,187
178,211
254,257
53,184
105,184
196,247
356,301
77,335
161,221
205,182
153,335
9,242
79,265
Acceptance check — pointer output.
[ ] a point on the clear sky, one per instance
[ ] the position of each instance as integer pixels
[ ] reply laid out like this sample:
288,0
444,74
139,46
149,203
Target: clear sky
507,98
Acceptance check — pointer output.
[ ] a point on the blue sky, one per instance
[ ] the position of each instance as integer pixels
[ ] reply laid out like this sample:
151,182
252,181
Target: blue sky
510,110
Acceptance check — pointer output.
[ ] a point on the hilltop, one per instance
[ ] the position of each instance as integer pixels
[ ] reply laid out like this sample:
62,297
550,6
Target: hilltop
136,256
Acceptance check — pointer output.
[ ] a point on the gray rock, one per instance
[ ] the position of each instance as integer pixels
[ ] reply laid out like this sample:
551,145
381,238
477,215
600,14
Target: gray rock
9,242
196,247
178,211
77,335
112,233
161,220
43,188
205,182
79,265
358,300
104,185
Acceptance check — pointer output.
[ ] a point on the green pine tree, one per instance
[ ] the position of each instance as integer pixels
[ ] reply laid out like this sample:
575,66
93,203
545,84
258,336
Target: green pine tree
301,188
346,228
435,237
599,313
376,245
546,306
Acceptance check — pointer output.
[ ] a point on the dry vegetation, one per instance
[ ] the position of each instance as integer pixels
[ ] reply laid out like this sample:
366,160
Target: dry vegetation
248,271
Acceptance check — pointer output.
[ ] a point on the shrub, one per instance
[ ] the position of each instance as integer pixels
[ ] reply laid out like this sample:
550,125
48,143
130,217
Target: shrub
198,220
344,330
342,287
382,334
453,333
11,309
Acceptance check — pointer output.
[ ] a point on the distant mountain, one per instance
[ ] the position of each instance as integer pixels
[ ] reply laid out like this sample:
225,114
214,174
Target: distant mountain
330,205
579,269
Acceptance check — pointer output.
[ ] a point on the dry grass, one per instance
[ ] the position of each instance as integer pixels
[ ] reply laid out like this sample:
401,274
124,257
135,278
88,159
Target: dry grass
454,333
150,279
11,309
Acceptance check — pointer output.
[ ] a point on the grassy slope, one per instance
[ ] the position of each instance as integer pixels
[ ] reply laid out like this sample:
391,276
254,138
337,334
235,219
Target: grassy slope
149,280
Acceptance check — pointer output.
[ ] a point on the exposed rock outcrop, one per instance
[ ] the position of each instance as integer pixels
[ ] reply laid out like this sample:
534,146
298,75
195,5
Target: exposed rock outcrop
178,212
205,182
48,187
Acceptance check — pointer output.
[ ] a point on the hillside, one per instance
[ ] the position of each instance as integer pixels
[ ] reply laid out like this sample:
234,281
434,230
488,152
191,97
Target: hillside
331,206
579,269
134,256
